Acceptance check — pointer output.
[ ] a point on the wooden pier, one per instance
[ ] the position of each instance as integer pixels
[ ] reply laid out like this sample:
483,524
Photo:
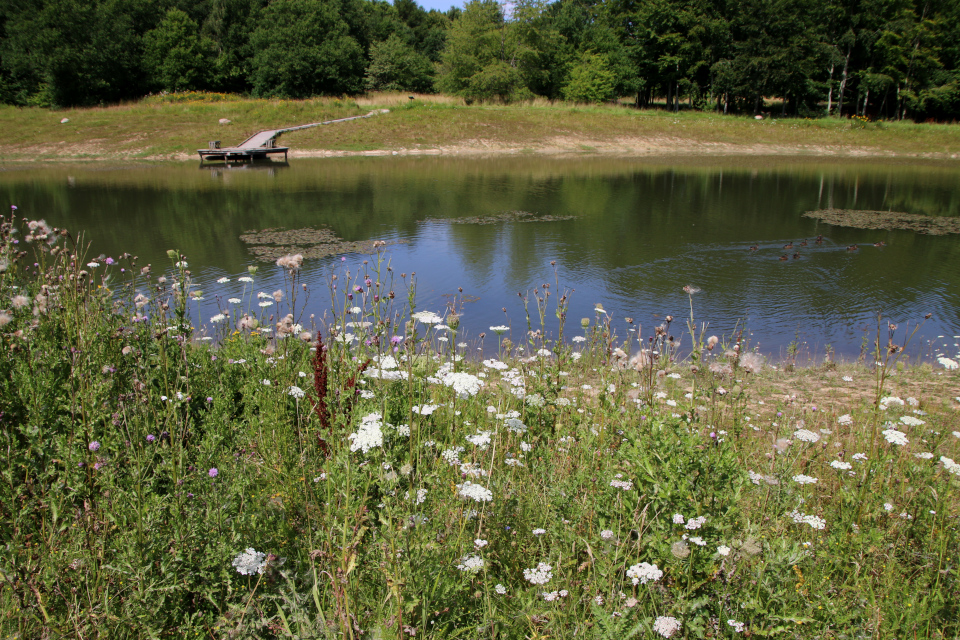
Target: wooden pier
264,143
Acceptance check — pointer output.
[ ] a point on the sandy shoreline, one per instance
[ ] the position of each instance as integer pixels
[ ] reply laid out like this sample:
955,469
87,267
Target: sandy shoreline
625,147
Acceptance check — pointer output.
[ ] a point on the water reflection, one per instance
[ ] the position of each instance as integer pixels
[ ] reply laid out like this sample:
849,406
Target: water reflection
641,230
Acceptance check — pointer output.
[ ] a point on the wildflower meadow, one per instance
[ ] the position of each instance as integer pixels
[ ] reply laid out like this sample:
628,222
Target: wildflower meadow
378,473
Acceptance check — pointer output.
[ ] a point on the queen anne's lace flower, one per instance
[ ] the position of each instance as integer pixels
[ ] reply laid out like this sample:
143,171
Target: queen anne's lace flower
644,572
464,384
539,575
250,562
895,437
424,409
475,492
368,435
947,363
666,626
840,465
802,479
470,564
806,435
910,421
426,317
950,465
845,419
296,392
814,521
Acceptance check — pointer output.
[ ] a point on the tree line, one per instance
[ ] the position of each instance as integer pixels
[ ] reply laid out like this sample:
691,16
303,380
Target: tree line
876,58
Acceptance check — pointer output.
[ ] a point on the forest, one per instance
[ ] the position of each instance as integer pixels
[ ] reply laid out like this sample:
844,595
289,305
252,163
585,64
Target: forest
878,59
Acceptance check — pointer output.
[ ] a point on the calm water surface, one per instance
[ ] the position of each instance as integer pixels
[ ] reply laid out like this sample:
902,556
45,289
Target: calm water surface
640,231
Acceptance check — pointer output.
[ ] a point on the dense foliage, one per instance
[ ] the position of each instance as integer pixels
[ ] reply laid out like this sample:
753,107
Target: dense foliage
879,58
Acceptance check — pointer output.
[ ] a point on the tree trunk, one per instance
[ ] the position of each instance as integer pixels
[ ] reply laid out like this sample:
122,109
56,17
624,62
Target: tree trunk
830,93
843,83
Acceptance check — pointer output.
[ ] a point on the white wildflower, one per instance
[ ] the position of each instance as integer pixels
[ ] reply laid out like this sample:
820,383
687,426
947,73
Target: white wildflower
802,479
426,317
500,589
250,562
424,409
539,575
475,492
470,564
296,392
368,435
723,550
666,626
464,384
481,440
840,465
923,455
845,419
738,627
805,435
895,437
947,363
950,465
695,523
910,421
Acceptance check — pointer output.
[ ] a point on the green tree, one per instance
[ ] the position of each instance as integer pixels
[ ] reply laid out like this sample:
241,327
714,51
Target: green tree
481,57
305,48
591,80
395,66
174,53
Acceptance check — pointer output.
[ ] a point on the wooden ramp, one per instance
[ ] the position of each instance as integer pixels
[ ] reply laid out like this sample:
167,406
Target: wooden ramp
264,143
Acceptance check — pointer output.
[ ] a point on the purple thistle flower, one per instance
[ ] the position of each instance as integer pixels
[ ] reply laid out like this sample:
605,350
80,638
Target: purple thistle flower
94,446
109,260
213,473
396,339
209,399
358,289
151,438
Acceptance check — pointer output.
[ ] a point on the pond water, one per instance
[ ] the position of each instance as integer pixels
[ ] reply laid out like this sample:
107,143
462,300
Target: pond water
628,234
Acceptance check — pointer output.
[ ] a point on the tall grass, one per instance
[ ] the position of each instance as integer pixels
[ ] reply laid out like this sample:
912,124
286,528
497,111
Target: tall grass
371,474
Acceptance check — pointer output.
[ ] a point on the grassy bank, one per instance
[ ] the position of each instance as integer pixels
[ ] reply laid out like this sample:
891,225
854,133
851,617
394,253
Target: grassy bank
174,127
169,476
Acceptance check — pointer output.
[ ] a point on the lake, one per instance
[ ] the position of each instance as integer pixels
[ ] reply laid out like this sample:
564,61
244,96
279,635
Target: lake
626,233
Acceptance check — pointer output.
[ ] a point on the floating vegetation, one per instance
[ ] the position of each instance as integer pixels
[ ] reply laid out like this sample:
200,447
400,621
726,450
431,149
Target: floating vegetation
862,219
511,216
270,244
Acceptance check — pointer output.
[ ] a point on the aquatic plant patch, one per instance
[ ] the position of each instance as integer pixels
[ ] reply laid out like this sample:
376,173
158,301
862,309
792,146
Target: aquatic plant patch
268,245
511,216
860,219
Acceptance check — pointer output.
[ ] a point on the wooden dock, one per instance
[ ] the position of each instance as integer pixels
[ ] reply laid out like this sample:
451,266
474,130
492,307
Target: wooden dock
264,143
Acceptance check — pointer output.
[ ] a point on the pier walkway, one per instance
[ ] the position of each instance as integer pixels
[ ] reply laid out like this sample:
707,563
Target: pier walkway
264,143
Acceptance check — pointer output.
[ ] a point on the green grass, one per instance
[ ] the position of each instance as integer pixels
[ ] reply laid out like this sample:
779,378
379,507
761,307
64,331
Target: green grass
176,126
146,449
